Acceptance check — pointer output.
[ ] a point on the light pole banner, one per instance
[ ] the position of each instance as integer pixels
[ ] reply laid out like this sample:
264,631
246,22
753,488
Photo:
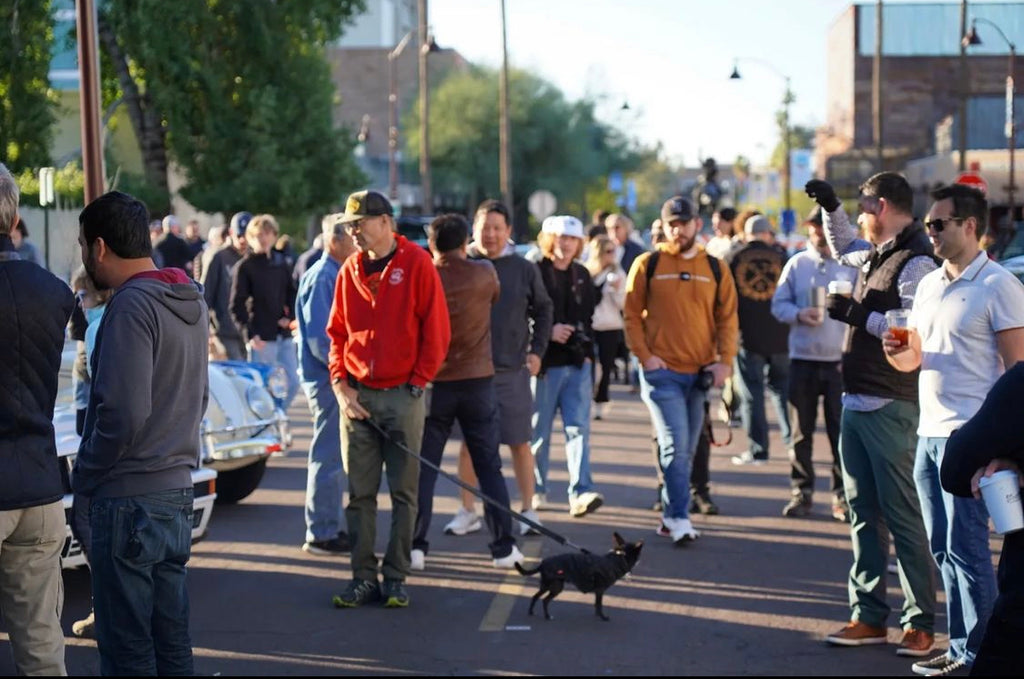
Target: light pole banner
800,161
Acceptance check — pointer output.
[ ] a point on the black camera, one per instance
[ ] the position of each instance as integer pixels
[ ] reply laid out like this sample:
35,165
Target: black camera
705,378
579,345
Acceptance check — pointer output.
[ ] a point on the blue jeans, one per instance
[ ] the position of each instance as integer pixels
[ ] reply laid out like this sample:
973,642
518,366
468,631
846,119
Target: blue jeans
677,410
752,368
958,534
325,476
567,389
281,352
140,546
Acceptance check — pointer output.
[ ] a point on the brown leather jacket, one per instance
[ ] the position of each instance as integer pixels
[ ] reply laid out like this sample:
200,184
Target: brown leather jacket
471,289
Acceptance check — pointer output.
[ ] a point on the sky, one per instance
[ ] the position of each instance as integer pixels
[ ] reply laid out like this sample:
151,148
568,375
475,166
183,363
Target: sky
669,59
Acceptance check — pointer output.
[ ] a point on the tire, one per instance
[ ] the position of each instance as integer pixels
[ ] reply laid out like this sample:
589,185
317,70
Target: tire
238,484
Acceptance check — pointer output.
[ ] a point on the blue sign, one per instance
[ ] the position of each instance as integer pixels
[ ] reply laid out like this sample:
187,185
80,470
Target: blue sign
615,181
631,195
788,223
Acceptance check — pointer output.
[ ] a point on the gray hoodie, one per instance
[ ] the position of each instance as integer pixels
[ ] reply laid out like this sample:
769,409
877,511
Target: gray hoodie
149,389
521,320
802,272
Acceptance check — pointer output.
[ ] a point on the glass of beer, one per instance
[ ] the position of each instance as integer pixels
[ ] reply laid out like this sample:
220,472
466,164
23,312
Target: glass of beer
841,286
897,320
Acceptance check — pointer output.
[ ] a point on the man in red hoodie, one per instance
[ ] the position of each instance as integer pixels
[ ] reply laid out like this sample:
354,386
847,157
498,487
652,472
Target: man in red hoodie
389,335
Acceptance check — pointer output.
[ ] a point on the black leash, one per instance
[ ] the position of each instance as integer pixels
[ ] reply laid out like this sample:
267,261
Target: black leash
547,532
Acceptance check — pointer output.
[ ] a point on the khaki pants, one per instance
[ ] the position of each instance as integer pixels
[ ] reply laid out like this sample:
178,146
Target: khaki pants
32,587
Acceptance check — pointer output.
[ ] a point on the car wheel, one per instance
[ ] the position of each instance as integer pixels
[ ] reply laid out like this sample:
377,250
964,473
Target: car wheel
238,484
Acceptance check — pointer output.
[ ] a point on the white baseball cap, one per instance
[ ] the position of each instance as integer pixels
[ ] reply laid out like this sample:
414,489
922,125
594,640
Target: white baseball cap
563,225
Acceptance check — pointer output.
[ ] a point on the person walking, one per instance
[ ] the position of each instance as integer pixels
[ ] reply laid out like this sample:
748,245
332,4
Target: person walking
463,390
520,331
880,412
389,335
763,360
216,277
610,281
815,373
565,383
35,306
968,325
141,441
325,475
619,228
680,321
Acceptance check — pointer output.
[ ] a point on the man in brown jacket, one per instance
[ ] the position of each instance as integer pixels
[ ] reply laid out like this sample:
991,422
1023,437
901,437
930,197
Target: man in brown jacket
680,318
464,389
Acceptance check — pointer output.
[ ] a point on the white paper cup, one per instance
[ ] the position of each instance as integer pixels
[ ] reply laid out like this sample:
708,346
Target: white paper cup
840,287
1001,493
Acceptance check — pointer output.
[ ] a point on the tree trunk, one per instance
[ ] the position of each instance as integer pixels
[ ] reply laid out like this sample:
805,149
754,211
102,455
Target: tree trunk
144,117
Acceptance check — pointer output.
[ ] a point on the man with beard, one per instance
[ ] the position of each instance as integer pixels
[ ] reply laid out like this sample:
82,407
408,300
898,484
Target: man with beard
141,439
968,326
681,323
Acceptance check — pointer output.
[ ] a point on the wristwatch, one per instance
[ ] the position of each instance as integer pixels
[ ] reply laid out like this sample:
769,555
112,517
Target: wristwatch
415,391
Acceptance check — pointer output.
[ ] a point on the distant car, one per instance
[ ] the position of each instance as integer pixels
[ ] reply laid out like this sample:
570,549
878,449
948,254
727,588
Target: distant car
204,484
414,227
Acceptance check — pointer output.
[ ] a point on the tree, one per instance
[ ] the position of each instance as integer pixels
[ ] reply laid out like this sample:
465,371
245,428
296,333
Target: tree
27,103
238,94
557,145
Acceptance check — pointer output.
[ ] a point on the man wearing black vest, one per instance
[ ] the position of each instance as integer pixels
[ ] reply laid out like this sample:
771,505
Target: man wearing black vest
880,412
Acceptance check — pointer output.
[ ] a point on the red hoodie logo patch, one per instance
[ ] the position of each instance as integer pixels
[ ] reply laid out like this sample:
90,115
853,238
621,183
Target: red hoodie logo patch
396,277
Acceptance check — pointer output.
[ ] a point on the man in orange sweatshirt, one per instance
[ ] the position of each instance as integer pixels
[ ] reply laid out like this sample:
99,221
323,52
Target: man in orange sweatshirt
680,318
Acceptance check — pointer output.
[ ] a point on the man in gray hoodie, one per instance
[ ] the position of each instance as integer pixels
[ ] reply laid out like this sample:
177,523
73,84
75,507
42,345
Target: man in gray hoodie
141,439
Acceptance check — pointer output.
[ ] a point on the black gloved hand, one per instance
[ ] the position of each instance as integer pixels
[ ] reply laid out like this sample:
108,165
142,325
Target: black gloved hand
845,309
823,194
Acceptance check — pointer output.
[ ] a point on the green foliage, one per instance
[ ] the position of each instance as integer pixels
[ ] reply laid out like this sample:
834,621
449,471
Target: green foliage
245,96
27,102
68,185
557,145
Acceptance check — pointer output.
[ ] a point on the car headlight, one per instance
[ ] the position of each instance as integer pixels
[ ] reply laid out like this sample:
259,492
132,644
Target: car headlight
277,382
259,402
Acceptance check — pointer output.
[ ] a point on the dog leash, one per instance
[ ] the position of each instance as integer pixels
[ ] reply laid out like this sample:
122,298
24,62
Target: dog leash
543,530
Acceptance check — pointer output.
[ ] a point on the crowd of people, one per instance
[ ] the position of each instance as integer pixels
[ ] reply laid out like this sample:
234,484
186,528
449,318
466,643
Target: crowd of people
393,345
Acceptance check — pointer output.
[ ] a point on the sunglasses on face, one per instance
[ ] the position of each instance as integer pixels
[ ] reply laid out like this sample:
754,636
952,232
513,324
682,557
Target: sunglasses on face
869,205
938,225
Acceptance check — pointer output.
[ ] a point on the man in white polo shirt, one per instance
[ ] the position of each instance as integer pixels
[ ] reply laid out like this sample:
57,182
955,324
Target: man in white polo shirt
968,321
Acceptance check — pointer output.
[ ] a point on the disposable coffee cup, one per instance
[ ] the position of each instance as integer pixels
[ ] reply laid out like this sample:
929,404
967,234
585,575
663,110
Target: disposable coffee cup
840,287
1001,493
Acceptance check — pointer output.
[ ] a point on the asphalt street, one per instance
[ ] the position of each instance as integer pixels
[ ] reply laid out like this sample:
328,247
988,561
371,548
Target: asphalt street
754,595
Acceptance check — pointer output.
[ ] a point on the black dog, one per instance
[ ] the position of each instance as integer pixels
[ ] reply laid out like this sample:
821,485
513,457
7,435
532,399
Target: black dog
589,572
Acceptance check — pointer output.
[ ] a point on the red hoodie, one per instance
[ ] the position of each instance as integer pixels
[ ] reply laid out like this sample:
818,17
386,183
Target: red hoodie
398,336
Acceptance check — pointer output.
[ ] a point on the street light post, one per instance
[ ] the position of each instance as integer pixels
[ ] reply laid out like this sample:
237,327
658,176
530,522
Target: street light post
425,178
787,141
393,116
505,127
971,38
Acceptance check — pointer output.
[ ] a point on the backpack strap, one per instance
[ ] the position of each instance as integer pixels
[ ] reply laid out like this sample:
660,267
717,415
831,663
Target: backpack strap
713,262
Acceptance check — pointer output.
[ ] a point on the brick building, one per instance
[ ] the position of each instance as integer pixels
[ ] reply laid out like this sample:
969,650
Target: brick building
921,85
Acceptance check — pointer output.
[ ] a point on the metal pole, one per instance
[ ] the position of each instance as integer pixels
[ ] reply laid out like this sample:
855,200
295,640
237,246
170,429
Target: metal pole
876,90
962,131
1012,130
46,234
392,129
505,131
428,194
89,99
787,148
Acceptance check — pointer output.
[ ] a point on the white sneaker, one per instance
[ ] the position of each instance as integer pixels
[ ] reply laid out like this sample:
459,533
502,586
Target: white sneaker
464,522
680,530
418,560
585,503
525,529
510,561
540,501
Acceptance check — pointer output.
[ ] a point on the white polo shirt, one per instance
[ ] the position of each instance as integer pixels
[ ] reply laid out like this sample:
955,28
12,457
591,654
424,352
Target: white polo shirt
958,321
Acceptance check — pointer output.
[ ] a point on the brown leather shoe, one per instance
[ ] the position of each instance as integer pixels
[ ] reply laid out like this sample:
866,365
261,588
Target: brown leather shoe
857,633
916,643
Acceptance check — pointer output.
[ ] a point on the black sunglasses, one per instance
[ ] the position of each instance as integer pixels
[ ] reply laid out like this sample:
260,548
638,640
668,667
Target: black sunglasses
937,225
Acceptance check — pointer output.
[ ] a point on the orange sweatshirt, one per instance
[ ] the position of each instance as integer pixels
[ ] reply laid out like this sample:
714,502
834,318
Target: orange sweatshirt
676,318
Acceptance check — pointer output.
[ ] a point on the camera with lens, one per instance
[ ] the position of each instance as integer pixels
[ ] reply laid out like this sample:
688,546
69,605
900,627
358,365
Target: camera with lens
579,345
705,378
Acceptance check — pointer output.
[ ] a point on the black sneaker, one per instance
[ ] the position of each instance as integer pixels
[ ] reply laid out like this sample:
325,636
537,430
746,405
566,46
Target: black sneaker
797,508
335,546
940,665
357,593
394,594
701,503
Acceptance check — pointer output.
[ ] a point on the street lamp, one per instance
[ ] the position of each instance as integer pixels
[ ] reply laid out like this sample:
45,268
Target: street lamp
393,56
971,38
787,99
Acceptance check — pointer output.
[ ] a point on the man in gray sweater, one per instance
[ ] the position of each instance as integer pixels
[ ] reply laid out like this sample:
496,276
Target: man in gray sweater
141,438
815,351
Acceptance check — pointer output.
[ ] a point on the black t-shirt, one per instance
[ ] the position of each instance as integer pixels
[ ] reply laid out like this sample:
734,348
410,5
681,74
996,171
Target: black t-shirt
375,266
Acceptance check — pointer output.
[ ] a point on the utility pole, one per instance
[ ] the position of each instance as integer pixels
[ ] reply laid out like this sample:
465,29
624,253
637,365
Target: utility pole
89,99
962,129
876,91
427,189
505,132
